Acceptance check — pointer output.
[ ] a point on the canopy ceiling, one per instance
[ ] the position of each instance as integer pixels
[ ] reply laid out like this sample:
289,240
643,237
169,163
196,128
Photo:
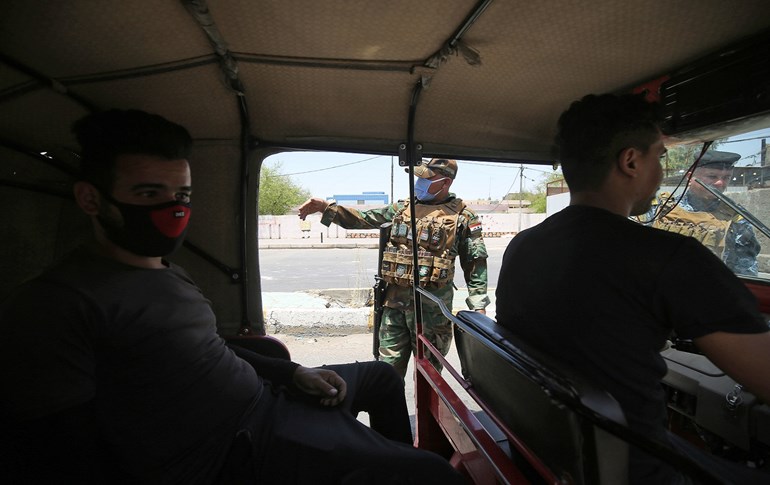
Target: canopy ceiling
341,74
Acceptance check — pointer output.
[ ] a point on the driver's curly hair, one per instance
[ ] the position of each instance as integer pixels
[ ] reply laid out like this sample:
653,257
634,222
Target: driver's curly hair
594,130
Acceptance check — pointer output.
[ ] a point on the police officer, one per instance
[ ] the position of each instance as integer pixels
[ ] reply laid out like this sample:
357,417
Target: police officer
446,228
703,216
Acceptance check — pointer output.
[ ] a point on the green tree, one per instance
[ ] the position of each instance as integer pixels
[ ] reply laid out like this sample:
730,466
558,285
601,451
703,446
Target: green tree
277,193
679,158
538,198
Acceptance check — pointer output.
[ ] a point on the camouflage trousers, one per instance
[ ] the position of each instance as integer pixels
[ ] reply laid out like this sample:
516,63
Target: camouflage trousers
398,335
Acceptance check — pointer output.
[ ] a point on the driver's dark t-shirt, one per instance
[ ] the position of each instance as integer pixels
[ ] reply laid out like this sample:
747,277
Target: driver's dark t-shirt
603,294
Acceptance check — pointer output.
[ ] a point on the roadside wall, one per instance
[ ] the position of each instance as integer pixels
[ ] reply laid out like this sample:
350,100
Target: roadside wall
289,227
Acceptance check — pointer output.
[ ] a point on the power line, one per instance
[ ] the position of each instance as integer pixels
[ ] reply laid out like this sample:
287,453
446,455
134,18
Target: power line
329,168
745,139
504,165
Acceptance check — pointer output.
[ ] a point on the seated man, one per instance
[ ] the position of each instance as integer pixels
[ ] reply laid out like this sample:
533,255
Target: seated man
112,356
703,216
603,293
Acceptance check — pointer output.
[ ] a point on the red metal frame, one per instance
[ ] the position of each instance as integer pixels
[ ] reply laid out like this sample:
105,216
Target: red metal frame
761,291
446,425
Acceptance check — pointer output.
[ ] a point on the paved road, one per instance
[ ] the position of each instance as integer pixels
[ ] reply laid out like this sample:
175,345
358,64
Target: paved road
288,270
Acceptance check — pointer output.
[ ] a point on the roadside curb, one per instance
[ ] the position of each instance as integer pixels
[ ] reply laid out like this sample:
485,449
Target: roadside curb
327,321
316,245
330,312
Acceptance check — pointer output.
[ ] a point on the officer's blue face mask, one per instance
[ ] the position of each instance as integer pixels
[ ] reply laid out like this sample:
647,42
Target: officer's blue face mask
421,187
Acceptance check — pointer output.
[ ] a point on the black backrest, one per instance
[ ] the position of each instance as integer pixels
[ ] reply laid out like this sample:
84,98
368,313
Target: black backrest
518,383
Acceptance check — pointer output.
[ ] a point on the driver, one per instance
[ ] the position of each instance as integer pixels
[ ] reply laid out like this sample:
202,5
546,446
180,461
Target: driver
703,216
602,293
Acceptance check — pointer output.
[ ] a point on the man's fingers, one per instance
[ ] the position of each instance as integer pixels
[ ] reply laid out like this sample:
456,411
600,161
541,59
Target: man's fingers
331,391
326,384
338,384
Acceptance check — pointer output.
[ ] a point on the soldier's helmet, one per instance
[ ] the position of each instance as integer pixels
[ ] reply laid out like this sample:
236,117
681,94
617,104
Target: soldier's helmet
719,160
437,166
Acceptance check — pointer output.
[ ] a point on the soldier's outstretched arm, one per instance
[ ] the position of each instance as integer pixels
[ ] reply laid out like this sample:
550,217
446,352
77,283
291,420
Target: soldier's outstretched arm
311,206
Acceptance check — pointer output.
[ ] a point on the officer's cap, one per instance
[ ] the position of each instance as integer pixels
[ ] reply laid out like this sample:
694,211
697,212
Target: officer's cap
720,160
437,166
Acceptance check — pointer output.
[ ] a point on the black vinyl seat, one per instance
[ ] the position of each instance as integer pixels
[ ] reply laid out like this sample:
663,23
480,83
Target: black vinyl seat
520,385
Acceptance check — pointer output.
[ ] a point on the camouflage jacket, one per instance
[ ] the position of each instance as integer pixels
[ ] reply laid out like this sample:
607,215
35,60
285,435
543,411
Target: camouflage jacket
735,243
468,244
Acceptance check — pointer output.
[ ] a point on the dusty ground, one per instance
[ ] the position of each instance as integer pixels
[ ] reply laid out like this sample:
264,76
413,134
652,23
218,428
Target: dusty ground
316,351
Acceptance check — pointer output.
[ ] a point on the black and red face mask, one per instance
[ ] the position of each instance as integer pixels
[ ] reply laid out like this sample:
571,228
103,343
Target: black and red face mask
148,230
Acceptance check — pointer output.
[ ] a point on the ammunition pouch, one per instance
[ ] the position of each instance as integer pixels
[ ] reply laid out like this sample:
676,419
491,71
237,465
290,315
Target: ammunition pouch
706,227
398,268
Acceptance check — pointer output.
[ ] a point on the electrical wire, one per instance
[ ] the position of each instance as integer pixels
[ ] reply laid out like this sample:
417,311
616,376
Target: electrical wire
688,175
508,192
329,168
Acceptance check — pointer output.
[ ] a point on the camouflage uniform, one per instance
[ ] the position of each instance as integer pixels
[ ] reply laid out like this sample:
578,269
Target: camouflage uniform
726,233
397,330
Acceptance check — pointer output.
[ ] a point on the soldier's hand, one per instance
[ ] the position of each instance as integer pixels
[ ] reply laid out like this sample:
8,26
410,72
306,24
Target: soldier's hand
311,206
481,310
326,384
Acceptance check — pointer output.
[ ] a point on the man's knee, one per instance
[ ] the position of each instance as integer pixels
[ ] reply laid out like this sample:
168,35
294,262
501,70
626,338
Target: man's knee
387,375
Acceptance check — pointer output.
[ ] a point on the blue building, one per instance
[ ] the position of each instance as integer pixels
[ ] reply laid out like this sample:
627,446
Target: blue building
364,198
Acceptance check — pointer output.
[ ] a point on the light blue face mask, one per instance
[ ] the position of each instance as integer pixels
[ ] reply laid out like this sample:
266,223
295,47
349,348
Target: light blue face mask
421,187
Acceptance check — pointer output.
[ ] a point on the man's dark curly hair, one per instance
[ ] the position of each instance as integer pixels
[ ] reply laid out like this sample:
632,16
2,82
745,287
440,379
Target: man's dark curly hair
105,135
593,132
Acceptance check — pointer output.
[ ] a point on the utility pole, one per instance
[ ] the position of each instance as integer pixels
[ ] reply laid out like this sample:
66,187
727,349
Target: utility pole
521,193
391,179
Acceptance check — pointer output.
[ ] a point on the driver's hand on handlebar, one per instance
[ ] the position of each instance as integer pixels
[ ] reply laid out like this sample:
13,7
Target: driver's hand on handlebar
321,382
311,206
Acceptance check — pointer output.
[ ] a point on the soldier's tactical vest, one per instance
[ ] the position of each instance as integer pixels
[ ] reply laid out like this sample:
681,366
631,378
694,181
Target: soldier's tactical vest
436,232
708,228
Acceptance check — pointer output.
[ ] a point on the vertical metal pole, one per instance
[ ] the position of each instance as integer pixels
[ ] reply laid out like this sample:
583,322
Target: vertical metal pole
521,194
762,162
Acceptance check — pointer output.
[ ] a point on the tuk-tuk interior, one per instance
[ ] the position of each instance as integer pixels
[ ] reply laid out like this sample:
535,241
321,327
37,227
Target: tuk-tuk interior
473,80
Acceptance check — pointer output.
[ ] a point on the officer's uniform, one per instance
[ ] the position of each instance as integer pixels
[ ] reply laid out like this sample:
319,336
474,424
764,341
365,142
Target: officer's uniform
726,233
446,229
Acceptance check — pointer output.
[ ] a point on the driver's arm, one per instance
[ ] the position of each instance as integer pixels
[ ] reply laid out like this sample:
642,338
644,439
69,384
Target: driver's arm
743,356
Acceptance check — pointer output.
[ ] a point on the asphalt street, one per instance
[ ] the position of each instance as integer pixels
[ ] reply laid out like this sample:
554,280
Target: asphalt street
309,268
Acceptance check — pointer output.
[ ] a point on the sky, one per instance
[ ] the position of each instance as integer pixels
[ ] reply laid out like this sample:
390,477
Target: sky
325,174
748,145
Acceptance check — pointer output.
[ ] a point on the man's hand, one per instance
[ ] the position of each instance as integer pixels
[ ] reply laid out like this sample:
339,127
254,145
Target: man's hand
311,206
481,310
321,382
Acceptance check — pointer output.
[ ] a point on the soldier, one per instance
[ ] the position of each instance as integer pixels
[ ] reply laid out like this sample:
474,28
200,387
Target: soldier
446,228
703,216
